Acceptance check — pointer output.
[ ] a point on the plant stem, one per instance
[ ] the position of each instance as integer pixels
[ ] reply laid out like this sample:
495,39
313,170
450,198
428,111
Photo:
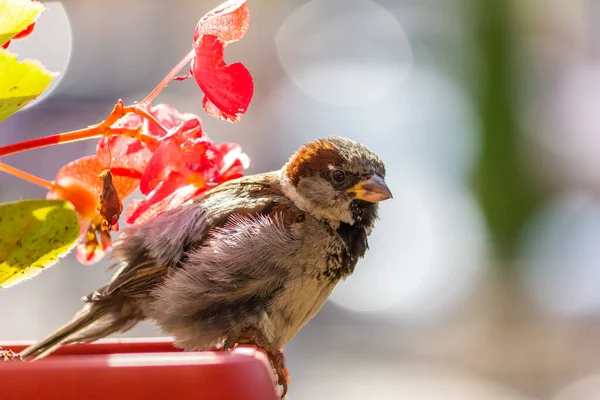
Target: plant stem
28,177
142,112
167,79
101,129
50,140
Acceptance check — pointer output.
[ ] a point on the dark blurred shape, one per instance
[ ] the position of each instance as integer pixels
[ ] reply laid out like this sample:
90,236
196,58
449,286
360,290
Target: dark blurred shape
507,194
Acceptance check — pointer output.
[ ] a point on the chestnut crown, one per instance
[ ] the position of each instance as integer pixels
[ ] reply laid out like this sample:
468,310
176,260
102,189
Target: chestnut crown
337,179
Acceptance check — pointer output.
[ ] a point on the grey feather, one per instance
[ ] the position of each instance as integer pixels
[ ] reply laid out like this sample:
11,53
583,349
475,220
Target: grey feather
92,322
165,239
228,283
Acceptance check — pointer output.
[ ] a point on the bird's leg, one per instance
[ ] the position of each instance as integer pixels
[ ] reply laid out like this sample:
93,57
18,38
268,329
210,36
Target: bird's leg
228,345
255,337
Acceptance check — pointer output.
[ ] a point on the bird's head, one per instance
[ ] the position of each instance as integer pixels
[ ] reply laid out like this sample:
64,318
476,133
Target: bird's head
336,179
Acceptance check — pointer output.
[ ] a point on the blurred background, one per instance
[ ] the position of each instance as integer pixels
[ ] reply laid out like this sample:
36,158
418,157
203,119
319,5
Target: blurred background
483,278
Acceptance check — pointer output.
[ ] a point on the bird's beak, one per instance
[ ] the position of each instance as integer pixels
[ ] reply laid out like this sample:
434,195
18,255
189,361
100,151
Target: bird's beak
373,190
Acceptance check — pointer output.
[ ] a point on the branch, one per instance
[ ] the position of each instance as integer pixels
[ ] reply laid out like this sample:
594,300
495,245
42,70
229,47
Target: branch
25,176
167,79
102,129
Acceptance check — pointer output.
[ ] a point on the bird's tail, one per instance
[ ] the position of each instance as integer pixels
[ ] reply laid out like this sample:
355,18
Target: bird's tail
94,321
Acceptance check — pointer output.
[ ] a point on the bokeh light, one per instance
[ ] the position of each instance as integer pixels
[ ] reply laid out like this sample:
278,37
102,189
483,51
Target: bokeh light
417,268
367,379
561,256
344,52
587,388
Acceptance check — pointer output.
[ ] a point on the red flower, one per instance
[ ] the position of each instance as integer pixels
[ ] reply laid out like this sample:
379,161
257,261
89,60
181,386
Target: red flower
176,161
183,165
128,156
228,89
78,182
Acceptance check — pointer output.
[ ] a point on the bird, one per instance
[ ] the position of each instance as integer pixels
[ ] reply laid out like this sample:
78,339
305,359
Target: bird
249,262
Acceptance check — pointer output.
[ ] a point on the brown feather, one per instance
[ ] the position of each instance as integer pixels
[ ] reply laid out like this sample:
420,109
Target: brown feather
137,280
313,158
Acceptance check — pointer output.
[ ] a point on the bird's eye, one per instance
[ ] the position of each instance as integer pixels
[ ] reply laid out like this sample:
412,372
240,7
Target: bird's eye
339,175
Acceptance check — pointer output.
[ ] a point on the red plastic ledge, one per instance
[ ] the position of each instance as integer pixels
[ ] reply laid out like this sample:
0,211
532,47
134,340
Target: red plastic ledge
136,369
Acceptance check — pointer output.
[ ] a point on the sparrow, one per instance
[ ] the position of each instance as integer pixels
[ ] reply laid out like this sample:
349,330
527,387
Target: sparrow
249,262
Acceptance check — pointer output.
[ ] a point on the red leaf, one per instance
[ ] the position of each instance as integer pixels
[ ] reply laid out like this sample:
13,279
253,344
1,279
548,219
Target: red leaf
129,157
165,161
182,168
214,111
229,22
124,153
228,87
83,197
125,156
169,117
86,171
185,164
233,161
78,183
178,150
228,90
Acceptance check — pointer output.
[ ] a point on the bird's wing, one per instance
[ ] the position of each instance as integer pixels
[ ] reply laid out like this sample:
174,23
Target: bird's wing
147,253
230,281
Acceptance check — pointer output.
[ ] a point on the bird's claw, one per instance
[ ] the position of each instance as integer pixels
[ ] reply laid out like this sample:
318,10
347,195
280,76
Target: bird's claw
255,337
278,363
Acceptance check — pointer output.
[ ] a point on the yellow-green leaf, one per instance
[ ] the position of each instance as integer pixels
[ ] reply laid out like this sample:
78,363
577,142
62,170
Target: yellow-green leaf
16,15
20,82
33,235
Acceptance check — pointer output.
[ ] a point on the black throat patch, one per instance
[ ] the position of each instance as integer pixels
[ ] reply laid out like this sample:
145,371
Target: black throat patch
341,264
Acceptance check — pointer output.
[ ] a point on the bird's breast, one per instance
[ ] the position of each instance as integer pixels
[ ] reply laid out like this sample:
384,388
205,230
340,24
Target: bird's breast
296,304
323,258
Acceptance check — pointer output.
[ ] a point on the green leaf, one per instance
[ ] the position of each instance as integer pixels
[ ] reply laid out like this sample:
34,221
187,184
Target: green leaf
33,235
16,15
20,82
